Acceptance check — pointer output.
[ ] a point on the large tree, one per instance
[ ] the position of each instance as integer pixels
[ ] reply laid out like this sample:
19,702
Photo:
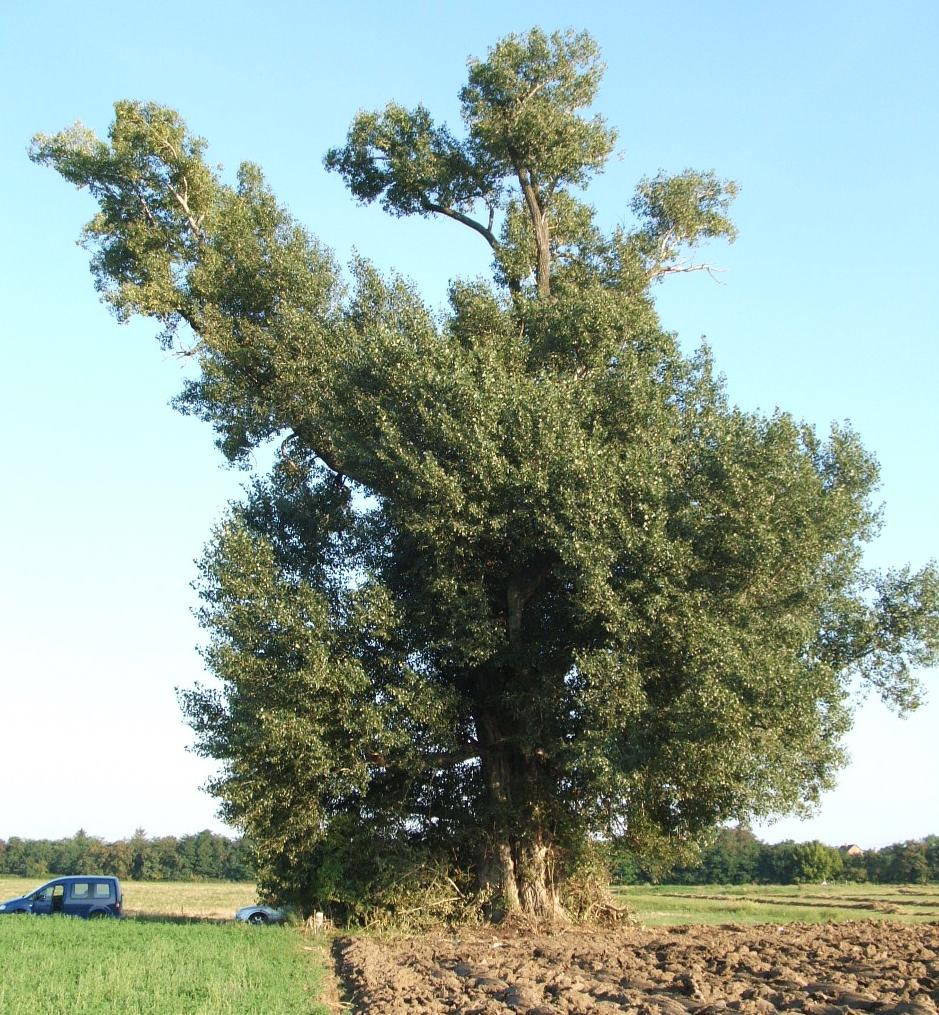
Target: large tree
521,578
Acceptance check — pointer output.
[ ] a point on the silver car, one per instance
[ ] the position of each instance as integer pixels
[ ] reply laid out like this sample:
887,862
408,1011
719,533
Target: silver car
260,914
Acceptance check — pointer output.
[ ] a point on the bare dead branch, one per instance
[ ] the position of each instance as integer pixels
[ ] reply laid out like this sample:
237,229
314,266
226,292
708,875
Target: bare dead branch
182,199
660,271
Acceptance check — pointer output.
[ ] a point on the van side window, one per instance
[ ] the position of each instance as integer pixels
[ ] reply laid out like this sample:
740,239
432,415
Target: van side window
81,890
102,890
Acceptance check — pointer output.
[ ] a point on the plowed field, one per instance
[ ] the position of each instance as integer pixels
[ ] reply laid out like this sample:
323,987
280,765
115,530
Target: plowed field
818,969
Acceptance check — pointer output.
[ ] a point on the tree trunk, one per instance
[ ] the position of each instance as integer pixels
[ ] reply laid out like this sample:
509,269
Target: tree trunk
538,890
517,872
518,879
540,227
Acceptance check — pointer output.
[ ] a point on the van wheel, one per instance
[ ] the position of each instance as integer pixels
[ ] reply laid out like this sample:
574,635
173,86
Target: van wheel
257,918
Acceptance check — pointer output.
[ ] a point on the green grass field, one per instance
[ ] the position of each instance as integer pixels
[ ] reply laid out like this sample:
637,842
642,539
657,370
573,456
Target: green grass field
665,905
178,952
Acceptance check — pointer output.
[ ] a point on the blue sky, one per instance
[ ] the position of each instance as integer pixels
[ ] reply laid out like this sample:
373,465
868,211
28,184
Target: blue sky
828,307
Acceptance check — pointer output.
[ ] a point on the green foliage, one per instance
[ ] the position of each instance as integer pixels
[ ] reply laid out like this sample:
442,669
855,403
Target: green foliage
792,863
521,110
522,107
732,859
678,212
910,862
736,856
521,576
204,856
931,844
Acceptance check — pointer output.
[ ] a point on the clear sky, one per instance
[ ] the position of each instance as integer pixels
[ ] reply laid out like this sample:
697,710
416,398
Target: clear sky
826,114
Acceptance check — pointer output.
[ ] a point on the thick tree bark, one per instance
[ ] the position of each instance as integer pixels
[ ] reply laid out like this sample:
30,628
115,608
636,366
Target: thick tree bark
517,871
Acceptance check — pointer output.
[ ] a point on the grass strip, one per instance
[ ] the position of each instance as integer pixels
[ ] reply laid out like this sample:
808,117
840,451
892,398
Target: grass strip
53,965
664,905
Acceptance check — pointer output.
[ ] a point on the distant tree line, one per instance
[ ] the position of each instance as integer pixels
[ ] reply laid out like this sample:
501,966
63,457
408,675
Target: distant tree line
737,856
203,856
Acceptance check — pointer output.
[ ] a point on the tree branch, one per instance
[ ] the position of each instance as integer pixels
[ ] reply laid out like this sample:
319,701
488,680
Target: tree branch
542,239
519,592
458,216
435,760
182,200
660,271
529,95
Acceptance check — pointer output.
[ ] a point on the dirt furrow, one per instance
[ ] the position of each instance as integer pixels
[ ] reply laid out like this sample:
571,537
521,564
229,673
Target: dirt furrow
815,969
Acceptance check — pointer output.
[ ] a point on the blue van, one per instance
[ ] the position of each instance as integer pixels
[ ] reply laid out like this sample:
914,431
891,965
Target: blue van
84,895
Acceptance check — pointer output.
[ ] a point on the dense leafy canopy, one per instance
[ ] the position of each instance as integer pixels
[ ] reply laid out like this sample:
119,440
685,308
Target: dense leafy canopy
521,575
